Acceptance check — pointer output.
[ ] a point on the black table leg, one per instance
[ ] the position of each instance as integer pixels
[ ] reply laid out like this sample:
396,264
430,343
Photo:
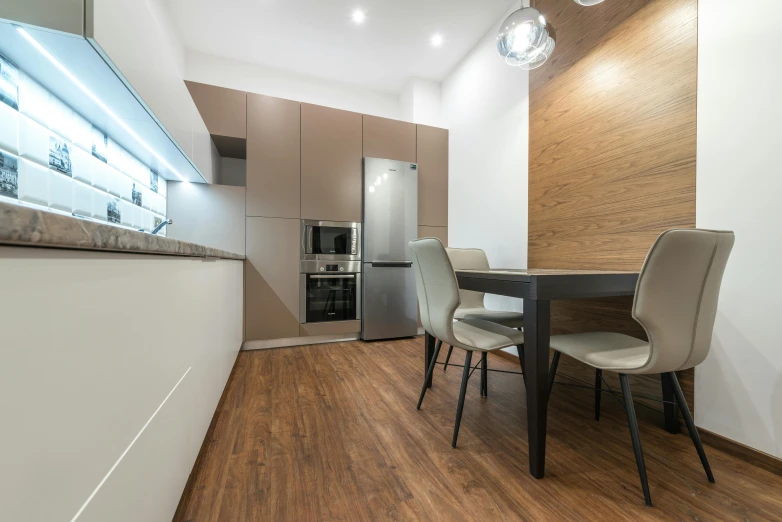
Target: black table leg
537,320
429,341
670,407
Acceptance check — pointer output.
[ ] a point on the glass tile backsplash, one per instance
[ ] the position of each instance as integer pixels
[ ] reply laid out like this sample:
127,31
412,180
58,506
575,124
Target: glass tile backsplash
52,157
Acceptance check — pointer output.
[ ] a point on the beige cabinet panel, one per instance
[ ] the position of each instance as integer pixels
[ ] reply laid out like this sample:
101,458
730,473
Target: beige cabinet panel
331,152
273,157
338,327
389,139
223,110
271,279
440,233
432,176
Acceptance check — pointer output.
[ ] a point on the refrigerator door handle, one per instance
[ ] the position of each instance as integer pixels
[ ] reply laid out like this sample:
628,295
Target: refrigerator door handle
389,264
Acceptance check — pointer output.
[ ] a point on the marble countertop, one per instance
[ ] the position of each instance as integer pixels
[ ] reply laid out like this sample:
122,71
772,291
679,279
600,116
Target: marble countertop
26,226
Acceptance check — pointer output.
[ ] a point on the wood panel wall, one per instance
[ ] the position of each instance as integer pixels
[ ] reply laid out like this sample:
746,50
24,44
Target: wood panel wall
612,148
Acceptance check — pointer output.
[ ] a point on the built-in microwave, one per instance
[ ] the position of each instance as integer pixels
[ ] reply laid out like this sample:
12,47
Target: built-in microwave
330,241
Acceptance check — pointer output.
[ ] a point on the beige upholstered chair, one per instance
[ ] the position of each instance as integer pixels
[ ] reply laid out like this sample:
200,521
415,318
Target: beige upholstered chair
438,299
472,306
675,303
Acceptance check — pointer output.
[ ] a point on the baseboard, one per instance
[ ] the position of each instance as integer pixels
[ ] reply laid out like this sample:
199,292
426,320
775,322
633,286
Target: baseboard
298,341
755,457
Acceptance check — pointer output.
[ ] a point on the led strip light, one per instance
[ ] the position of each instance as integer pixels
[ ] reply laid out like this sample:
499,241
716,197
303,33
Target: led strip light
97,100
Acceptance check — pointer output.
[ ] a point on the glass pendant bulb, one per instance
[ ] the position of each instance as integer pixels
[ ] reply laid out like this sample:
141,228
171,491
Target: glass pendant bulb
543,52
522,37
588,2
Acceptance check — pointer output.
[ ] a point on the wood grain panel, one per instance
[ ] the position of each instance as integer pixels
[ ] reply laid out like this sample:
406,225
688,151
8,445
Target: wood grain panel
389,139
273,157
331,432
612,147
432,176
331,152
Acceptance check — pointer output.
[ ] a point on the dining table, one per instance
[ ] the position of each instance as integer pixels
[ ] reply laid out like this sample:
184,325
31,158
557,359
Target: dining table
537,288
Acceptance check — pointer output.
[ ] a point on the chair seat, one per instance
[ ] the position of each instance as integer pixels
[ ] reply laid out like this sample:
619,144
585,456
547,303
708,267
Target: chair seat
485,336
604,350
509,319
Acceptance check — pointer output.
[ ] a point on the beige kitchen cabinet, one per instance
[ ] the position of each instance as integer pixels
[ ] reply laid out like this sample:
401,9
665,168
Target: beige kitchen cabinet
389,139
273,157
271,279
331,152
432,176
224,112
440,233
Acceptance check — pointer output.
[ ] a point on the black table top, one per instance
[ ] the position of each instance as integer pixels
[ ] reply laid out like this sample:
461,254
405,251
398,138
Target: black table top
549,284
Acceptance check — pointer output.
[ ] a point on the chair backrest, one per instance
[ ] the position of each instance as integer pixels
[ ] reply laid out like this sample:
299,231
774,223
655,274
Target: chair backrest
438,291
469,259
677,293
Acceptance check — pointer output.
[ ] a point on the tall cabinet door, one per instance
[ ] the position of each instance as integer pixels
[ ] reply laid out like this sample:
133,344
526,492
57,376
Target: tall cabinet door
389,139
271,288
273,157
432,176
331,152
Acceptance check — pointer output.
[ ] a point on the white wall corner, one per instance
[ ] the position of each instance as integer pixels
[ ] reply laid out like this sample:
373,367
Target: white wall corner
419,102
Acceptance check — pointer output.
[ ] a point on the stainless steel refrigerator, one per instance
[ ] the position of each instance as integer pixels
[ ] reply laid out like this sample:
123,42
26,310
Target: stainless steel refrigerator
390,223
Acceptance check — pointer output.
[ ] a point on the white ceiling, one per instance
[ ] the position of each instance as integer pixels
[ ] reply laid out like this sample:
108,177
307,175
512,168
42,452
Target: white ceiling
317,37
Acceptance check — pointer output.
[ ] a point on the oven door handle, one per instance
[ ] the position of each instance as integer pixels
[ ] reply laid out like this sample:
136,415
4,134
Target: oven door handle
389,264
335,276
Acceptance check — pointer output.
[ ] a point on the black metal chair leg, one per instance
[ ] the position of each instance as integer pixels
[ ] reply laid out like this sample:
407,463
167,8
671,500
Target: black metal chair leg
696,439
484,375
462,392
448,357
636,436
429,372
520,349
553,371
598,392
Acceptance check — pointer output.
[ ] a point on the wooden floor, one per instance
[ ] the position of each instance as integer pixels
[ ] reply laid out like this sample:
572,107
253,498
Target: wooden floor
330,432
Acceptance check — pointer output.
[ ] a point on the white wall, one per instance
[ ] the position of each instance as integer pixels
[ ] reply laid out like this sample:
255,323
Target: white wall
210,215
485,106
102,353
738,389
419,102
234,74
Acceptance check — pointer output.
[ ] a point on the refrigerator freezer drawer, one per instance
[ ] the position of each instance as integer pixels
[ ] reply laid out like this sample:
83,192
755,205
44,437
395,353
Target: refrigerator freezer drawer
389,302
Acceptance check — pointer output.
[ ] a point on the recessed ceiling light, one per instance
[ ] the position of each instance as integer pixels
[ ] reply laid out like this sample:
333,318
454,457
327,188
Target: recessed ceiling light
437,40
358,16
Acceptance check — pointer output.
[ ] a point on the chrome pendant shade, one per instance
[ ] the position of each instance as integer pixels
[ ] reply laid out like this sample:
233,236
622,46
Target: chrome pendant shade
525,39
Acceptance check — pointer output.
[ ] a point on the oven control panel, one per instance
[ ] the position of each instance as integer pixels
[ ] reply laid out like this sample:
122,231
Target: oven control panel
332,268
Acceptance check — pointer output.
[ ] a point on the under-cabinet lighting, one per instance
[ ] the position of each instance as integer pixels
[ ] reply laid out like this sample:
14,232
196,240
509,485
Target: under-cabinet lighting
97,100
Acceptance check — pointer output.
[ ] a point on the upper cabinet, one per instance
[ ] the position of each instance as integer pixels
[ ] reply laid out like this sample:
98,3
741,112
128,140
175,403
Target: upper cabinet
389,139
273,157
224,112
331,152
432,176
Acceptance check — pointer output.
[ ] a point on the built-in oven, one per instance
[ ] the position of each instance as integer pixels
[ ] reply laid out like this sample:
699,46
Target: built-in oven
330,241
330,291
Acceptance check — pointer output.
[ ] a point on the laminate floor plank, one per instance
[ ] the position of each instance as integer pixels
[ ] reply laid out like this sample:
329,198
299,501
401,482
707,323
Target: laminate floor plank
330,432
